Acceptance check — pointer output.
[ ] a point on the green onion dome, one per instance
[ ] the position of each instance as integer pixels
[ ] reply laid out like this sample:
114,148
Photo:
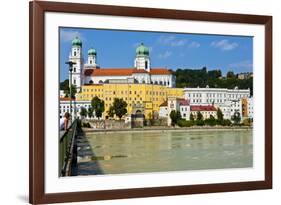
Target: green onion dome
92,52
76,42
142,50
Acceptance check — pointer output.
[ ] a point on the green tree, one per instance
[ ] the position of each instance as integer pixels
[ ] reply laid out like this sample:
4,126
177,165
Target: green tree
230,74
185,123
219,114
201,77
236,117
64,85
213,74
73,92
83,112
191,117
111,111
90,112
226,122
199,116
97,106
119,107
247,122
210,121
175,117
199,119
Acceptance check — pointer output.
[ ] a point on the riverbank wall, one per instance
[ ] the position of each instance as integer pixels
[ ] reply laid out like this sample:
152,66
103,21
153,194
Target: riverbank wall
165,129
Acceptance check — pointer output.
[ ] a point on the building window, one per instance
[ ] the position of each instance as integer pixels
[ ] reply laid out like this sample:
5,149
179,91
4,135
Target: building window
146,65
74,53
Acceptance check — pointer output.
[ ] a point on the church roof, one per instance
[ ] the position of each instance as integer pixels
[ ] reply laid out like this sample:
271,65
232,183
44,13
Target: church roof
202,108
76,42
184,102
164,104
139,71
124,71
142,50
64,99
160,71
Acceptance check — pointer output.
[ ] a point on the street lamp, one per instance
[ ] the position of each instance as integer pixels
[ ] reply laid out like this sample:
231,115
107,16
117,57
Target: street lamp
70,65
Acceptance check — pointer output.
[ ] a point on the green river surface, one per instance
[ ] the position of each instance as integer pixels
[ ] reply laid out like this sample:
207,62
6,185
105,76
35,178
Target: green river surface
162,151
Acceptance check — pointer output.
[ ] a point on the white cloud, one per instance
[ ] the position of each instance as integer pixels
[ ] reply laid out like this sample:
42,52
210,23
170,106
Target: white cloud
242,64
171,41
224,45
165,55
66,36
178,42
194,44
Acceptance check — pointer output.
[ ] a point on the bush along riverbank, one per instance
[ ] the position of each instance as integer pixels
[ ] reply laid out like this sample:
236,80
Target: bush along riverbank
198,120
211,122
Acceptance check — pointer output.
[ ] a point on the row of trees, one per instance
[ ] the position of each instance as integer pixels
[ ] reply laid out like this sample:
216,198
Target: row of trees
118,108
200,121
213,78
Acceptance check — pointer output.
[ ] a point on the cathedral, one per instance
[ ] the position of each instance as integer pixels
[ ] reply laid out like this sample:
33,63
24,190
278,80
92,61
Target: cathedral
90,72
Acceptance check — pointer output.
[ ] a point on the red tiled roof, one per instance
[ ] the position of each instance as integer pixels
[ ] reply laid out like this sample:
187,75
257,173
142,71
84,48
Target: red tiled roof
202,108
160,71
95,84
64,99
184,102
124,71
109,71
139,71
164,104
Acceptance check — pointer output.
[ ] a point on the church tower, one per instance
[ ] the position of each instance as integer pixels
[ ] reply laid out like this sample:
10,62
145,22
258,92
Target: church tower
76,56
92,58
142,60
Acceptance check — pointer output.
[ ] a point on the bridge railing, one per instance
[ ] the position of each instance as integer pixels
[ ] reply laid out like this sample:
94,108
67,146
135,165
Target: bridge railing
66,144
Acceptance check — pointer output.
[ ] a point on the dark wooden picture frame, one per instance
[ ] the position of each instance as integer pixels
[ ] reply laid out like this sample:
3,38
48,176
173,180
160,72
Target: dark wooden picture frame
36,88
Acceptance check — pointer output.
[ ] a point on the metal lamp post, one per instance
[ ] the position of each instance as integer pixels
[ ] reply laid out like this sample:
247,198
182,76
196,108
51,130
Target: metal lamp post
70,64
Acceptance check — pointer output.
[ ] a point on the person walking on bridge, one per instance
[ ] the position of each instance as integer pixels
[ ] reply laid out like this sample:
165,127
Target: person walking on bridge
64,122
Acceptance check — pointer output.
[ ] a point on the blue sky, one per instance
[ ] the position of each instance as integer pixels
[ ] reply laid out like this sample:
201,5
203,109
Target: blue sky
116,49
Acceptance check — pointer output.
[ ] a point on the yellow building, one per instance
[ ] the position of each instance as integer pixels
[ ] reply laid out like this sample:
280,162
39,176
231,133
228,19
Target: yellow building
244,107
148,96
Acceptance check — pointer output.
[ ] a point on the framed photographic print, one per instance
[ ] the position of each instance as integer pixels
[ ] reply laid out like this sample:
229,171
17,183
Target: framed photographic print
137,102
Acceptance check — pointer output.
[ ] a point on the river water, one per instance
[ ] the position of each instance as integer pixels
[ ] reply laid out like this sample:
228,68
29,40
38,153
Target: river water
136,152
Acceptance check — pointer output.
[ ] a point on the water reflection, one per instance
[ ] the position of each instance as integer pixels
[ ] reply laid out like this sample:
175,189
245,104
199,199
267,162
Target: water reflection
168,151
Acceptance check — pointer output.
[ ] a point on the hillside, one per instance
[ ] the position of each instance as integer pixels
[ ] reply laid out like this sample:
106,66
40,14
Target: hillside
213,78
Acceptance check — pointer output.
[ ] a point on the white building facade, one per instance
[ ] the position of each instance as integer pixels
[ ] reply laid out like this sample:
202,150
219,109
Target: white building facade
228,101
177,104
76,107
206,110
215,96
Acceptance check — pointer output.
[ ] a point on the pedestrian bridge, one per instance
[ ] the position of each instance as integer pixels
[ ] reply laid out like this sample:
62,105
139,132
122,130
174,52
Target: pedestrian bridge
67,151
